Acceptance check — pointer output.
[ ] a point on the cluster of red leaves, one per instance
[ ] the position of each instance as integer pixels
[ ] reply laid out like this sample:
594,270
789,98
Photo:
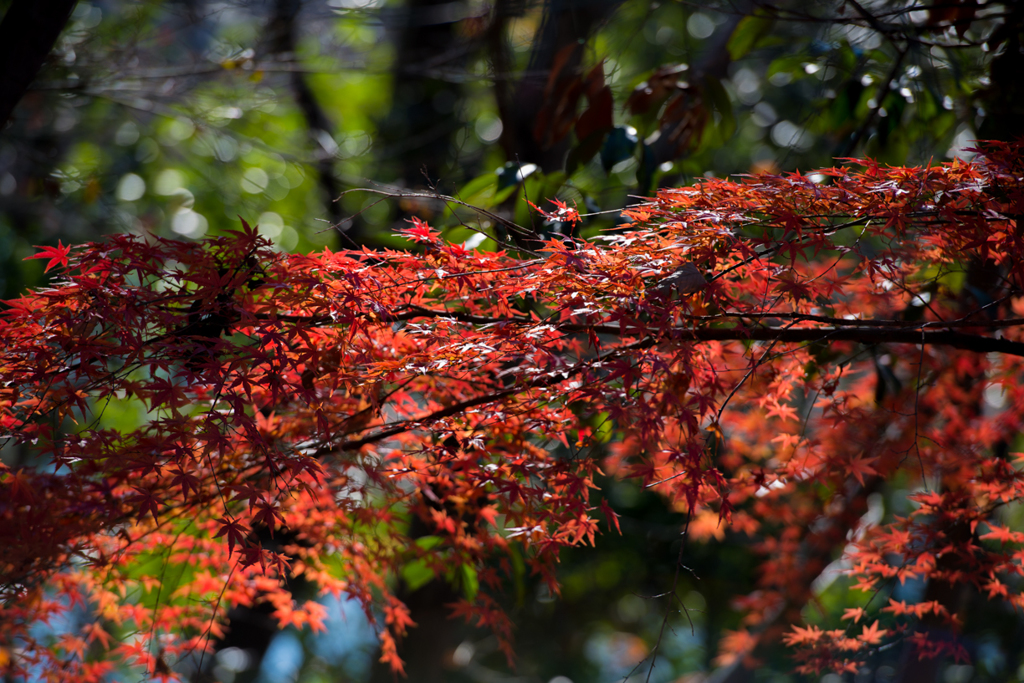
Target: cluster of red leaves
825,650
233,416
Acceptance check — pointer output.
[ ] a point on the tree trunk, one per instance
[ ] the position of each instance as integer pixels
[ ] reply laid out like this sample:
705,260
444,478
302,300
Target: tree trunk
28,32
417,135
565,23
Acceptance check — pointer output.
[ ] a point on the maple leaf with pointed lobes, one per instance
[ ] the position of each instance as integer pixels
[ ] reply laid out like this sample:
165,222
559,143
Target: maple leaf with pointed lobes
800,636
95,632
897,608
995,588
859,467
1002,534
397,616
562,212
268,515
457,251
58,255
420,232
234,530
146,502
872,635
854,613
187,481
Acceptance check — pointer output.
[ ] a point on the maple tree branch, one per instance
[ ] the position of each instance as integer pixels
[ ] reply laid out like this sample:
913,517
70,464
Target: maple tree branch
460,407
883,93
412,312
864,331
500,220
865,335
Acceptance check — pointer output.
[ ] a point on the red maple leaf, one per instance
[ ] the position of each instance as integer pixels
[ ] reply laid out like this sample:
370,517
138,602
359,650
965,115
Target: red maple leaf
420,232
58,255
234,530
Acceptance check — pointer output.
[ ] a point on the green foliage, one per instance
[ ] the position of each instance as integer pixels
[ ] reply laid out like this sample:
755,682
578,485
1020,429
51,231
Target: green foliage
751,30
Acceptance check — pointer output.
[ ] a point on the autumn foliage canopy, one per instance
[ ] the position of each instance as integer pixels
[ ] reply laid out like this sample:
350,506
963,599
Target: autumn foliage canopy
766,352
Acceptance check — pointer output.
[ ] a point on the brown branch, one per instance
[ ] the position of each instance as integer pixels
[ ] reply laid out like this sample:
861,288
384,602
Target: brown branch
969,342
864,335
875,112
483,399
861,331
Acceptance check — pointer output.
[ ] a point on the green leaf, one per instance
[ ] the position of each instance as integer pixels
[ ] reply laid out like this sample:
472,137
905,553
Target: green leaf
927,107
503,194
480,191
532,190
417,574
552,184
726,126
747,33
470,582
479,187
793,65
429,542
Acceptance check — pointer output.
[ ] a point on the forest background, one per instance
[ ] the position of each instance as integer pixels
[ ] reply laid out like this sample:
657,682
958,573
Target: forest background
176,118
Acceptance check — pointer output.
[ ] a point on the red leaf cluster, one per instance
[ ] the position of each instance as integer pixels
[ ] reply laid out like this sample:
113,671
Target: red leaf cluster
834,331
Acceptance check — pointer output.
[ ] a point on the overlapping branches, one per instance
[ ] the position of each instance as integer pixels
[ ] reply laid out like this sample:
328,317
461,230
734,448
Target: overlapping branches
742,347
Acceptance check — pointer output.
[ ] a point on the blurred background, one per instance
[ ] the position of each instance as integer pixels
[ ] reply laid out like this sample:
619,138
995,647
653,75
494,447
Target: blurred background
329,122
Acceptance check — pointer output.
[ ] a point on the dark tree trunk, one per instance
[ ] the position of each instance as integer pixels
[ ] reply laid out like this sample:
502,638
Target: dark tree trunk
281,37
28,32
1003,101
566,22
427,649
417,136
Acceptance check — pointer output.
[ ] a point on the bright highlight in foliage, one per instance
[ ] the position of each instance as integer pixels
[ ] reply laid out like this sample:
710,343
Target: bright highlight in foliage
304,414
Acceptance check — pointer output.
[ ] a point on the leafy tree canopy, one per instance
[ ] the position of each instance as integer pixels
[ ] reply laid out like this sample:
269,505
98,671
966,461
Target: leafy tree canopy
766,353
171,119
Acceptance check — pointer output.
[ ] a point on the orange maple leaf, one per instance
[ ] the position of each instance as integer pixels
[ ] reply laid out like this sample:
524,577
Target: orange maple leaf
854,613
872,635
801,636
1002,534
